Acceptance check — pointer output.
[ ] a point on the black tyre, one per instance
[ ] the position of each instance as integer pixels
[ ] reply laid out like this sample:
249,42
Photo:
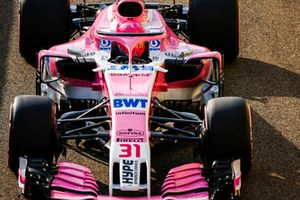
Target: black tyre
215,24
32,130
42,24
228,122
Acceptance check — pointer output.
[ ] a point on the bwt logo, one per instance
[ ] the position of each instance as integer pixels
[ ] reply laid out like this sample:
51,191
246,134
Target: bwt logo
155,45
105,45
130,103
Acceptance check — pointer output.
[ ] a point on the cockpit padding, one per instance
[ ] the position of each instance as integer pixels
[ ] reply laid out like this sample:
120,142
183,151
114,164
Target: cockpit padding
81,69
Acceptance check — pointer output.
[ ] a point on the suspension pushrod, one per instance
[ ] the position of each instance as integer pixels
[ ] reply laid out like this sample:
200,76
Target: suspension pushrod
166,119
94,108
86,136
175,129
83,128
84,119
158,105
173,137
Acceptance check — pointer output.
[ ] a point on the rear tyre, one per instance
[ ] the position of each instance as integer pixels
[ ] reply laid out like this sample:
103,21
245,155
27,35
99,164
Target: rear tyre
32,130
229,136
42,24
215,24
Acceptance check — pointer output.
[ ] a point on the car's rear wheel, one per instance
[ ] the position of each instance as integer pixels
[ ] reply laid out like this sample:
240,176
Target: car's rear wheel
215,24
32,130
229,135
42,24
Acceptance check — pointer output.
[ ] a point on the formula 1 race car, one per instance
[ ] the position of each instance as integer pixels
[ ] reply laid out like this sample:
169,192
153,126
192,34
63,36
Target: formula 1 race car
127,78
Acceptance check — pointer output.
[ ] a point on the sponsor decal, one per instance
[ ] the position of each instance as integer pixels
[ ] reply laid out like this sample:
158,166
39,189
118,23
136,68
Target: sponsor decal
130,133
92,53
154,45
129,172
180,54
129,93
130,113
135,174
131,75
168,54
130,103
130,140
146,68
134,67
115,67
124,67
105,45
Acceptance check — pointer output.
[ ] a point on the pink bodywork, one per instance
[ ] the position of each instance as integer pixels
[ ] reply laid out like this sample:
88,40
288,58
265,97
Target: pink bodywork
136,89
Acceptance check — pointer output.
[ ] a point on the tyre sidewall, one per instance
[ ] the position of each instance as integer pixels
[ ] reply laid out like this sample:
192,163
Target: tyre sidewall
229,136
216,25
32,131
42,24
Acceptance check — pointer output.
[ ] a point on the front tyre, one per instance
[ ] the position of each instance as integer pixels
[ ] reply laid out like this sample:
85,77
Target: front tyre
229,134
32,130
215,24
42,24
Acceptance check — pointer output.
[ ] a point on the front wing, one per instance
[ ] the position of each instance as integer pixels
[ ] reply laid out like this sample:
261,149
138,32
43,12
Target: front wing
66,180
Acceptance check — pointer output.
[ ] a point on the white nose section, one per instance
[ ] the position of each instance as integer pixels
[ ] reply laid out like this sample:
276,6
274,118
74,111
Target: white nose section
21,173
236,167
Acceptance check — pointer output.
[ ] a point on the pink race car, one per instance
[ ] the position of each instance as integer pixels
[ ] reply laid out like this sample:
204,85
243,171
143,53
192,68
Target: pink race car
127,80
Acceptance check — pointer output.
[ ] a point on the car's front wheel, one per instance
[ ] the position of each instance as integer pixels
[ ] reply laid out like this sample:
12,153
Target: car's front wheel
32,130
42,24
215,24
229,134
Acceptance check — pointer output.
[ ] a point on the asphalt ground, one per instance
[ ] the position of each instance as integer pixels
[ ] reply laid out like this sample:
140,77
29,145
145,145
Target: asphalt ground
267,74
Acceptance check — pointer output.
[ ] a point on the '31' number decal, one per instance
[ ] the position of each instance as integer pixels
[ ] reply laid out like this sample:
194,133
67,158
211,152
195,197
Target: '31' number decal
126,150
